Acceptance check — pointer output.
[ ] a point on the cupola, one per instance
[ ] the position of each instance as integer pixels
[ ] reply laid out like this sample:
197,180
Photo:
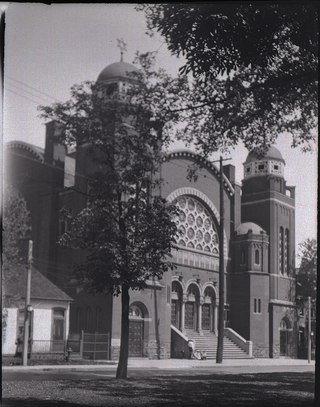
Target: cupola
269,163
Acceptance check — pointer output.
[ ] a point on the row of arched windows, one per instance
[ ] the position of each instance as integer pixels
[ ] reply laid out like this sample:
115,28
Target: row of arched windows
284,250
90,320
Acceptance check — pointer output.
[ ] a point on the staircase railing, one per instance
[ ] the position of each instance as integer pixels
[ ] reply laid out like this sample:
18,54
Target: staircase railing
179,344
239,340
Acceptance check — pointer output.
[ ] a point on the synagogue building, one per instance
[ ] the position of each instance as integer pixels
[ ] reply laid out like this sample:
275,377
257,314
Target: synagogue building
259,251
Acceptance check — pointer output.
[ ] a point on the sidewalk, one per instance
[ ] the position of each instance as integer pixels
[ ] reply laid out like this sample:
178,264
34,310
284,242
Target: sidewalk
166,364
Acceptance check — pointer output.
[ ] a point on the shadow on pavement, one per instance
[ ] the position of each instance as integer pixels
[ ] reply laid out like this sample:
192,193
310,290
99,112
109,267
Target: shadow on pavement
245,390
37,403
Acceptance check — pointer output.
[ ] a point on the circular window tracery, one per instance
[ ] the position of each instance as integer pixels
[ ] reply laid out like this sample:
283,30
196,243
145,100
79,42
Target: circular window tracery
195,225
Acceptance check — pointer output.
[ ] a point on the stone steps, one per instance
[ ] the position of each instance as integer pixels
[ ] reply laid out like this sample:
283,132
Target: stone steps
208,343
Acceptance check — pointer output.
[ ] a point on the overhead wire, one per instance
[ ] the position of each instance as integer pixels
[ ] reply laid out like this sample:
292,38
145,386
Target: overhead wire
23,96
31,87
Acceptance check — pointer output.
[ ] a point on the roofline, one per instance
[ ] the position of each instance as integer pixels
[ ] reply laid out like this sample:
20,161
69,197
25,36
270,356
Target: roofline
25,146
51,299
181,153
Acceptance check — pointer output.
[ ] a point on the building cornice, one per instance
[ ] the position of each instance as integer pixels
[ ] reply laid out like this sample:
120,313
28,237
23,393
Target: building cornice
282,303
203,162
267,199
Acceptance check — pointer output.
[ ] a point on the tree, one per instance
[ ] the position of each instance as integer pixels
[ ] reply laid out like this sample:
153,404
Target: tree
255,70
16,227
307,273
126,228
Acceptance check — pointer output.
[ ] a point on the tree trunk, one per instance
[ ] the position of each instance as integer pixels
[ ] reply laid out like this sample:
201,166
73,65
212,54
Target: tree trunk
156,320
219,356
124,344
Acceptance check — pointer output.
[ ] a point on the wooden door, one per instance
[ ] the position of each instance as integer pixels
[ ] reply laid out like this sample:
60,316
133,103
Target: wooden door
206,316
283,343
136,338
190,315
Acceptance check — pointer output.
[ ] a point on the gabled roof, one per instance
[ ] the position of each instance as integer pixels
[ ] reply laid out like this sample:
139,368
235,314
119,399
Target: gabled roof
41,287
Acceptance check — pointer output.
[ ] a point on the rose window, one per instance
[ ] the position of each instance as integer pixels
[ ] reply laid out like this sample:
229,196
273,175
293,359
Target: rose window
195,226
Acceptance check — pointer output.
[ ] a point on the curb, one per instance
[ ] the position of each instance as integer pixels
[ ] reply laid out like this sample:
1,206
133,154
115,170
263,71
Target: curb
165,365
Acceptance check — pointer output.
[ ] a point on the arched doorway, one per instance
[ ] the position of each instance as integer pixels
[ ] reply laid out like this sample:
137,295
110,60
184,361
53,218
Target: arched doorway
284,337
176,304
136,331
191,307
208,309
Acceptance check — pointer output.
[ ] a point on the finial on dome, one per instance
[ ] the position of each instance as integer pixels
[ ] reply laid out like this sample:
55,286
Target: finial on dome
123,47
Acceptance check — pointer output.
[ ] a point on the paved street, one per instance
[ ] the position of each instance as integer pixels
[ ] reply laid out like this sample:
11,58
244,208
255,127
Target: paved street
90,372
266,383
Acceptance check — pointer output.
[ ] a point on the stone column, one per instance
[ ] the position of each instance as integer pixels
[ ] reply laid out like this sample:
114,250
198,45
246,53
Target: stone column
215,327
183,308
201,302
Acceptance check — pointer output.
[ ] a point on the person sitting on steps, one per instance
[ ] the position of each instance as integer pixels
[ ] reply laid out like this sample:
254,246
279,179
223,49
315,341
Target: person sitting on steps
191,346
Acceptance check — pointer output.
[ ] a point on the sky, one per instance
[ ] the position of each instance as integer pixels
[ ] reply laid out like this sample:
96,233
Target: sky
48,48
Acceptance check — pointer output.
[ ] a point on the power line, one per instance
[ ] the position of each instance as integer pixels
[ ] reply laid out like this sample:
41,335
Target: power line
23,96
32,93
31,87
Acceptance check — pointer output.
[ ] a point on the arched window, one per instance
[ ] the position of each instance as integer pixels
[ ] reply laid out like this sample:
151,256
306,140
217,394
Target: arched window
135,311
257,256
285,336
176,304
193,289
243,257
287,252
196,226
281,250
283,325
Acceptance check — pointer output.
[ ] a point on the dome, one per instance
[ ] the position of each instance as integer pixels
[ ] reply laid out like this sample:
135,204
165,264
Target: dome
272,154
116,70
244,228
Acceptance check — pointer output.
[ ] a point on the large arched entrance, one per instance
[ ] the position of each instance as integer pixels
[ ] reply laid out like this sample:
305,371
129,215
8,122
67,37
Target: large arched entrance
208,309
136,331
191,307
284,337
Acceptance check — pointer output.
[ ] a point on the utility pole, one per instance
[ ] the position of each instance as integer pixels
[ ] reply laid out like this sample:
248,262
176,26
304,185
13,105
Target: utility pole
27,306
309,329
219,356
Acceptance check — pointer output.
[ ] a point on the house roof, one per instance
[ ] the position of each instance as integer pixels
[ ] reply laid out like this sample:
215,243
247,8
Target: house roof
41,287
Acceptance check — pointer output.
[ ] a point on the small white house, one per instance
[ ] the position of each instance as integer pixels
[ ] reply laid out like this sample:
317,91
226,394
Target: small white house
49,322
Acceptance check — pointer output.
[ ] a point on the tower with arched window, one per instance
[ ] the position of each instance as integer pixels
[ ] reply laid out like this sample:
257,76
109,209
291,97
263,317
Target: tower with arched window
268,202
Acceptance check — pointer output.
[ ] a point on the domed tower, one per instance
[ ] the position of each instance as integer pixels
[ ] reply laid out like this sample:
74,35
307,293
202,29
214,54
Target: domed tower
249,286
111,84
115,79
267,201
